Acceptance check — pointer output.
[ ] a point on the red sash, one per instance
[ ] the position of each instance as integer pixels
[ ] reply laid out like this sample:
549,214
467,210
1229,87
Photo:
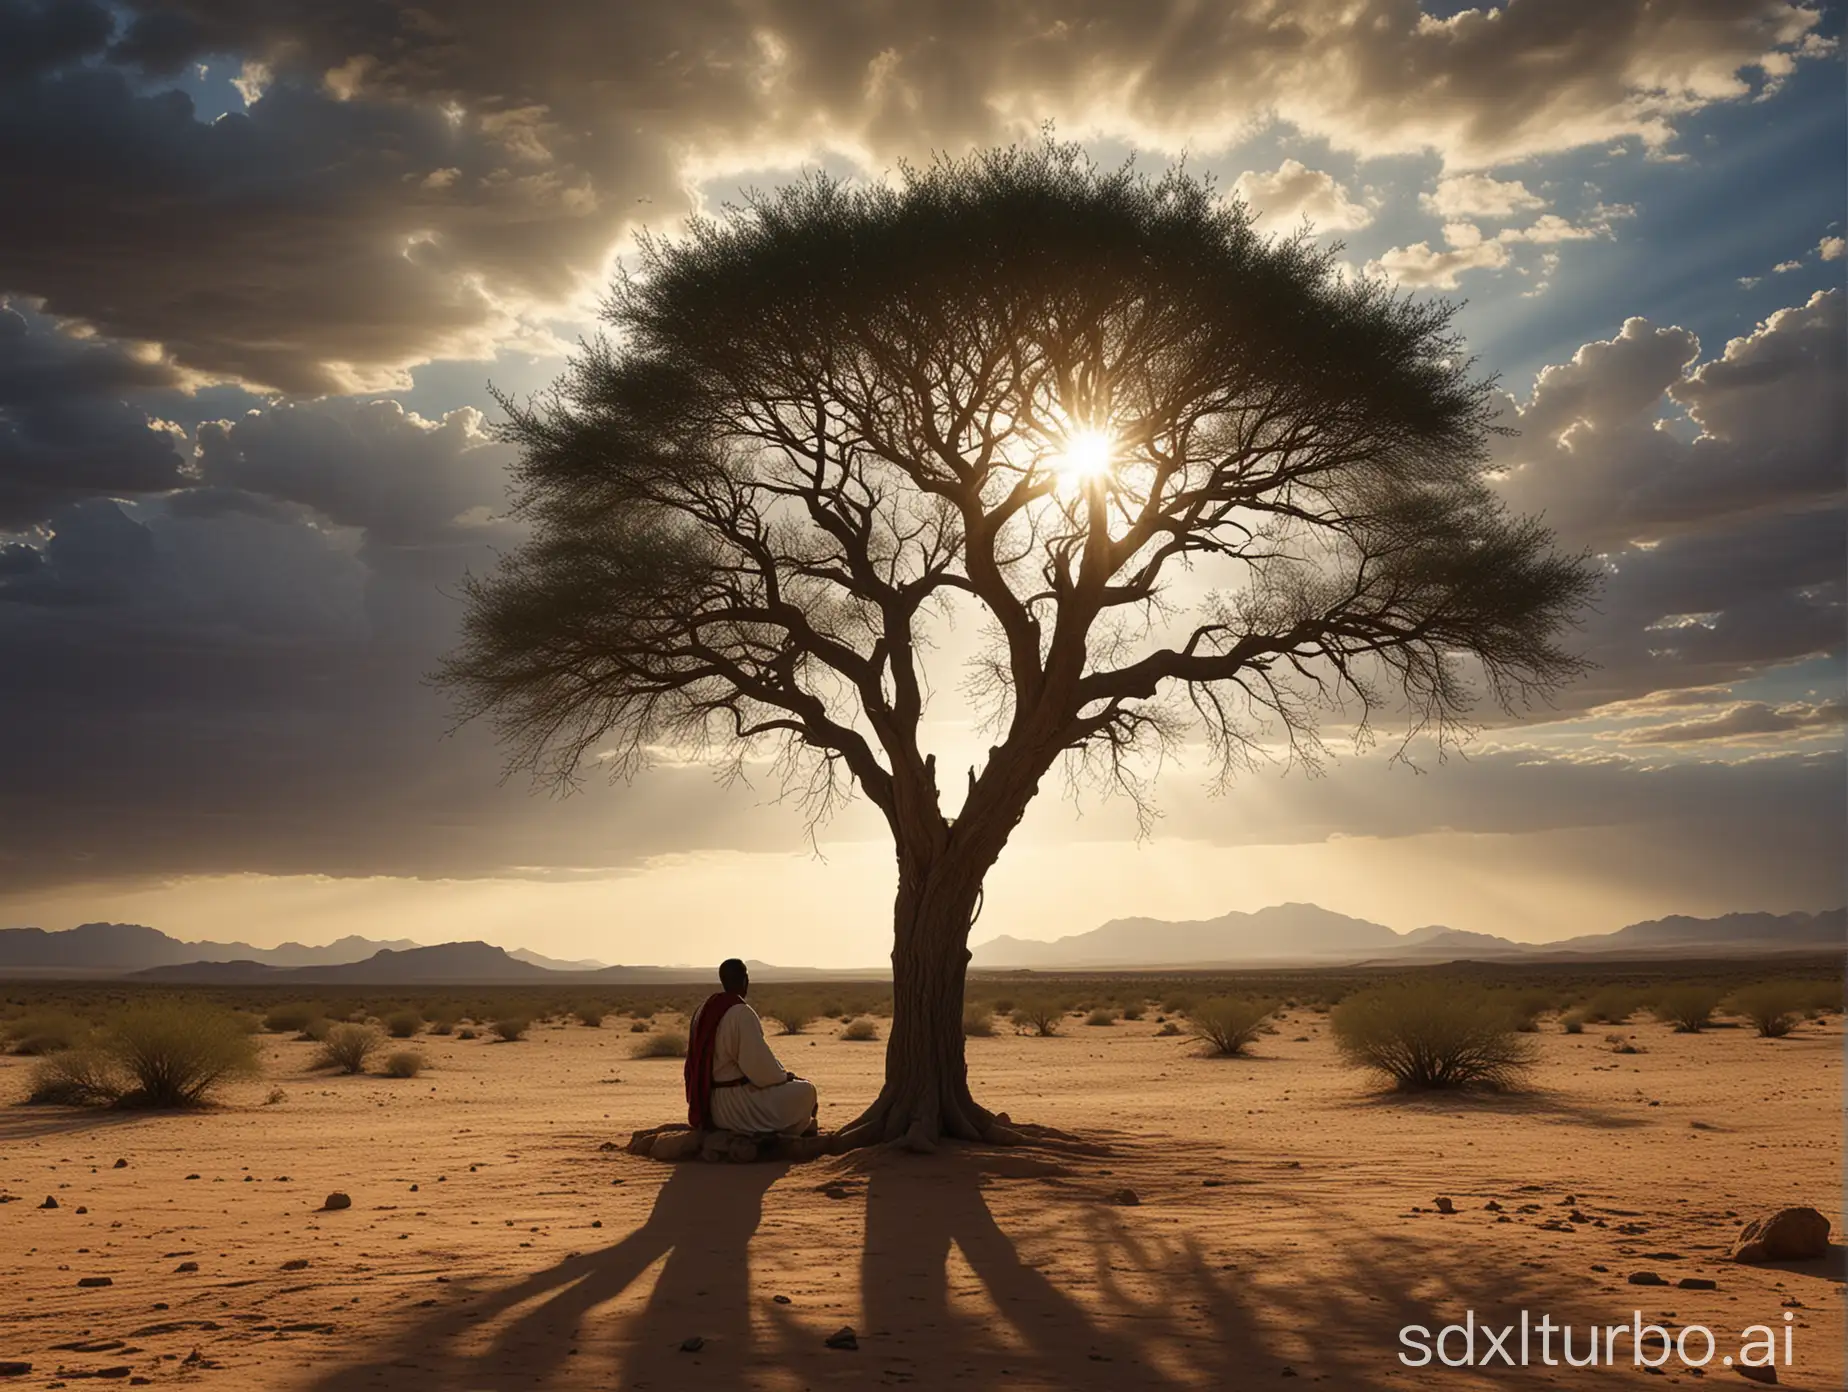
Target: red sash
699,1057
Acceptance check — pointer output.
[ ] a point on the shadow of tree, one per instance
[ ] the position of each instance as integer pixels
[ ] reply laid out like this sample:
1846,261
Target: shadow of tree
701,1224
1538,1103
31,1123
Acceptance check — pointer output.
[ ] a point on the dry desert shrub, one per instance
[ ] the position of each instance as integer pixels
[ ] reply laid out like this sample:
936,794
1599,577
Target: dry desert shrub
793,1013
175,1053
443,1022
349,1047
1229,1024
590,1016
404,1024
291,1019
861,1029
1572,1022
1133,1011
1040,1014
1611,1006
667,1044
1103,1015
1686,1006
639,1027
76,1078
978,1022
1168,1027
404,1063
317,1029
510,1027
1004,1006
47,1032
1773,1007
466,1033
1433,1034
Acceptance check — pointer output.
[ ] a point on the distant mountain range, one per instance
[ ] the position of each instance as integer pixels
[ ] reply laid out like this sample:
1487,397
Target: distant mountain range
1308,933
1277,936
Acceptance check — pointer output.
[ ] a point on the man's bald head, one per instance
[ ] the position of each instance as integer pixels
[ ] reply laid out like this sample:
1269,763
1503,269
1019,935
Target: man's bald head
733,977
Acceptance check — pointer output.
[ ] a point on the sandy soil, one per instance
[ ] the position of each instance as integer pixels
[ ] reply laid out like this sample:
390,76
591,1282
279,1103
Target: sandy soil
1286,1221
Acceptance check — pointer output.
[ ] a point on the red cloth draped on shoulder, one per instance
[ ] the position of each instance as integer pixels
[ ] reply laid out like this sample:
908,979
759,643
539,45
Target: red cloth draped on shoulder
699,1057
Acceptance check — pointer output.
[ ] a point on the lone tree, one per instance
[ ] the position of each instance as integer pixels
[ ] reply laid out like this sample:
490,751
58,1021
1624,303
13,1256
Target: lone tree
1018,381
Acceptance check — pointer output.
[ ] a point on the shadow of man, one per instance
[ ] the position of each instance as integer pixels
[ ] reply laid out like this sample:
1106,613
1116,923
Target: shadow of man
702,1223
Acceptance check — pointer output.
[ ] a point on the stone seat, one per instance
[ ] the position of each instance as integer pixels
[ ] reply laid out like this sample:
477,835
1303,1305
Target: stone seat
680,1142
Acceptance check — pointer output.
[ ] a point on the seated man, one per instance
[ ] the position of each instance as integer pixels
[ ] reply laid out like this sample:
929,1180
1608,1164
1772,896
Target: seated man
734,1082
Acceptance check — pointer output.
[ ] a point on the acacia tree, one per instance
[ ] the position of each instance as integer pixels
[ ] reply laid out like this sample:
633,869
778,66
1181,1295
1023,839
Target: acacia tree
1015,381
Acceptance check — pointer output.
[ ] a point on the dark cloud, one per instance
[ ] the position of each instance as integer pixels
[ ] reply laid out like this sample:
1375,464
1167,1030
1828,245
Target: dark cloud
1722,534
420,182
66,433
1747,720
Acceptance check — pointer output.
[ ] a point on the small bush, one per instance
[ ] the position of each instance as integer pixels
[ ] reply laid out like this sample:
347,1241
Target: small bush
349,1047
175,1053
317,1029
290,1019
1433,1034
1168,1027
590,1016
1773,1007
47,1032
978,1022
1573,1022
511,1027
1689,1008
1004,1006
794,1015
1620,1045
1132,1011
1041,1015
1611,1006
639,1027
404,1024
861,1029
667,1044
404,1063
1103,1015
466,1033
76,1078
1177,1005
276,1095
1228,1024
442,1024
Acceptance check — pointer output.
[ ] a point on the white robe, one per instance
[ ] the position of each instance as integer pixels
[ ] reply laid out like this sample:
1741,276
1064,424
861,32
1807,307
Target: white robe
768,1102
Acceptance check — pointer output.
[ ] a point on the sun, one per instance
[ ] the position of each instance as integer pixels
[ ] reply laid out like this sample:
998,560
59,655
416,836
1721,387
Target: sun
1086,456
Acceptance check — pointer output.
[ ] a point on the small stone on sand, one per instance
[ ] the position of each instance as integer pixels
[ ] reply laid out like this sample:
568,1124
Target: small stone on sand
1125,1198
692,1345
93,1282
1444,1205
843,1338
1646,1278
50,1202
336,1200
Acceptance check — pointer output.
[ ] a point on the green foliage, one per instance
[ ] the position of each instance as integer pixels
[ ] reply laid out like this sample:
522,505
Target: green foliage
667,1044
76,1078
1433,1034
404,1063
291,1019
861,1029
1229,1024
348,1047
1688,1006
404,1024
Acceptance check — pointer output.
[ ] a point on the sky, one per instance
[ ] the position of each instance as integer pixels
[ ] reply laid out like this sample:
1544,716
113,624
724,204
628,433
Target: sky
262,260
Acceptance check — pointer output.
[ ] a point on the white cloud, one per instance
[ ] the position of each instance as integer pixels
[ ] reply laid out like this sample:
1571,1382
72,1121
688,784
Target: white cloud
1832,248
1420,267
1293,191
1480,196
1785,266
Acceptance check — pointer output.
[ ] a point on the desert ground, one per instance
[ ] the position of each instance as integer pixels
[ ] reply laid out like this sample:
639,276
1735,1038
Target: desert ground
1284,1221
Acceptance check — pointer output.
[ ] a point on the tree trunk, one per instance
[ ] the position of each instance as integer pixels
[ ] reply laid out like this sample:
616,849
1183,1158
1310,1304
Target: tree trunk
926,1092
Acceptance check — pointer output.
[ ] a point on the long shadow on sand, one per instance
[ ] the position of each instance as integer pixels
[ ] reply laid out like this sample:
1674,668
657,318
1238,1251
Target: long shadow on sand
701,1223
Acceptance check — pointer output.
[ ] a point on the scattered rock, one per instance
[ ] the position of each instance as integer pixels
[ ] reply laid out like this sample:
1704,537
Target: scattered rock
184,1267
1596,1267
295,1264
1125,1198
596,1222
1212,1184
1645,1278
1492,1207
192,1176
676,1145
1766,1374
119,1165
1576,1217
1288,1371
1444,1205
692,1345
843,1338
1789,1234
14,1369
82,1209
50,1202
94,1282
335,1201
1697,1283
780,1299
